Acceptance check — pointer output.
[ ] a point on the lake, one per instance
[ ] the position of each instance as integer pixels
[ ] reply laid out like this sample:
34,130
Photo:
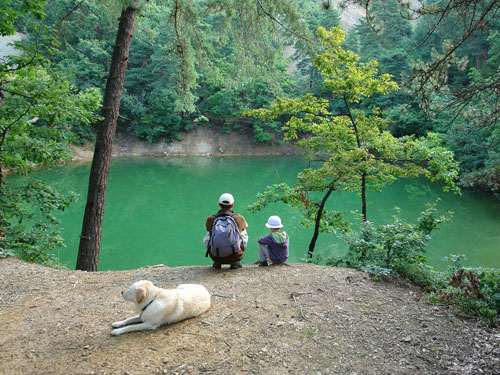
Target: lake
156,210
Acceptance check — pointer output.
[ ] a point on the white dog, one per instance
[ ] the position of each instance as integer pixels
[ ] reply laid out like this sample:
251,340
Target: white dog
157,306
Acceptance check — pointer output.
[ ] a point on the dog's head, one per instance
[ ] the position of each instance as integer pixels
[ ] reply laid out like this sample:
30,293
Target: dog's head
139,291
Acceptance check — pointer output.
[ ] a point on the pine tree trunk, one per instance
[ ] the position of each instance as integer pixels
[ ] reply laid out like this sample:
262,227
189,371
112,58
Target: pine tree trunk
90,238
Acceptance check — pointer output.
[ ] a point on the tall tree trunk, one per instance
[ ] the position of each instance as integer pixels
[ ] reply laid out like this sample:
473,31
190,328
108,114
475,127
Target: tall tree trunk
90,238
319,214
363,209
363,196
358,142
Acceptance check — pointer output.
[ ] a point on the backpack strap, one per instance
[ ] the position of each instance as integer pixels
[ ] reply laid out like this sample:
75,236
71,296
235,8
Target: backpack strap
219,215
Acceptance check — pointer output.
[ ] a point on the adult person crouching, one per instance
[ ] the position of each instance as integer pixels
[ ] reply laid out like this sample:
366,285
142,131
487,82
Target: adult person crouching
226,238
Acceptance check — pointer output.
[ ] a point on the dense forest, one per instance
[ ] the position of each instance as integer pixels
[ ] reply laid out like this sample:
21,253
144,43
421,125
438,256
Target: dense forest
409,89
205,64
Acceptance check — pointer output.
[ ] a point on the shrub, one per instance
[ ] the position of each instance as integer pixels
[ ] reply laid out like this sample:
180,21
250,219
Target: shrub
28,227
398,249
474,290
394,249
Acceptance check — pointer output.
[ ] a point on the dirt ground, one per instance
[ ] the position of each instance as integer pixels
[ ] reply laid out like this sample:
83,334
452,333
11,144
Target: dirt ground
297,319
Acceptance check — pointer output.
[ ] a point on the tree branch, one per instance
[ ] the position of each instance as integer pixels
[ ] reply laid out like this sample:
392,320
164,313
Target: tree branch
69,13
279,23
2,88
427,73
19,66
6,128
180,48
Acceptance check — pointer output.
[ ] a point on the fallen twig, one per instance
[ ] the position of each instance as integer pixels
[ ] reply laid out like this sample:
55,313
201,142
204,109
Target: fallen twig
231,296
295,294
197,334
217,322
227,316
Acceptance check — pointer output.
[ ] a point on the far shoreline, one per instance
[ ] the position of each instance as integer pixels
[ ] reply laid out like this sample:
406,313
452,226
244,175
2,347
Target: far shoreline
202,141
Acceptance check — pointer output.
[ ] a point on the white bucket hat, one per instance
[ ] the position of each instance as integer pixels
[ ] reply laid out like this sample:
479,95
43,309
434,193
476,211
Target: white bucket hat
226,199
274,222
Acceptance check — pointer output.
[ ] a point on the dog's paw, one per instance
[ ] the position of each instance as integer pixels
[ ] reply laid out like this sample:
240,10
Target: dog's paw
117,324
116,332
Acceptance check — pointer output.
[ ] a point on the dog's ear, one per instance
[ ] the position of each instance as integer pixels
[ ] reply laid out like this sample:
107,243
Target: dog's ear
140,294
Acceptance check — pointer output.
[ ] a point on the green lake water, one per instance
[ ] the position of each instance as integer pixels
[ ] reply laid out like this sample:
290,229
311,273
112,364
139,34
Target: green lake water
156,209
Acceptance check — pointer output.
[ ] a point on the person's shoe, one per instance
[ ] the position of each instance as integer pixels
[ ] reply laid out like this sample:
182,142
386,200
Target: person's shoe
235,266
217,266
263,264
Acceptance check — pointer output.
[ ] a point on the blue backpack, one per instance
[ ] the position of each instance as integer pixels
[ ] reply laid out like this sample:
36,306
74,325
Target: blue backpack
225,239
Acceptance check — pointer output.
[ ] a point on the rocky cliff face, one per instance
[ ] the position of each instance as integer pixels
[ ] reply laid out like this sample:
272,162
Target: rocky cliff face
349,14
6,47
202,141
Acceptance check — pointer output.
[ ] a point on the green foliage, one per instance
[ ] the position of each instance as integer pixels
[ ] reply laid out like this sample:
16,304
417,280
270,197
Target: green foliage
394,249
447,90
344,75
13,9
304,200
447,32
386,37
398,249
266,131
187,59
307,76
355,142
216,59
474,290
475,138
28,225
358,152
460,95
409,119
39,107
40,112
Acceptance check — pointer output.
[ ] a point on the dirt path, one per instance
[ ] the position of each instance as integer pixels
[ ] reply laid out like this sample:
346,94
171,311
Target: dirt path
302,319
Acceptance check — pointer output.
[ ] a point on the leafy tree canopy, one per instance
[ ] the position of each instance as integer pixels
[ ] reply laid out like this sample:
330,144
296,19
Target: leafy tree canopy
358,151
38,108
12,9
186,60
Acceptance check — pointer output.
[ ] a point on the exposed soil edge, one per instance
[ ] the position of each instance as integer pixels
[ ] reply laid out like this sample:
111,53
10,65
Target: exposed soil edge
202,141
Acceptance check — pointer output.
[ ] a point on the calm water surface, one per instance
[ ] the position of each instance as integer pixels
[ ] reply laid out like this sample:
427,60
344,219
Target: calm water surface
156,209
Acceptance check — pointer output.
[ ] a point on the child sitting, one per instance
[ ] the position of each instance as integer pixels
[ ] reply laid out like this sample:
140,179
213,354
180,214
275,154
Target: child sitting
274,246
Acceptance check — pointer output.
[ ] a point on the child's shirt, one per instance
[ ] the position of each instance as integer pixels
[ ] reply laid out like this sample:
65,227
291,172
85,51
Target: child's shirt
277,243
